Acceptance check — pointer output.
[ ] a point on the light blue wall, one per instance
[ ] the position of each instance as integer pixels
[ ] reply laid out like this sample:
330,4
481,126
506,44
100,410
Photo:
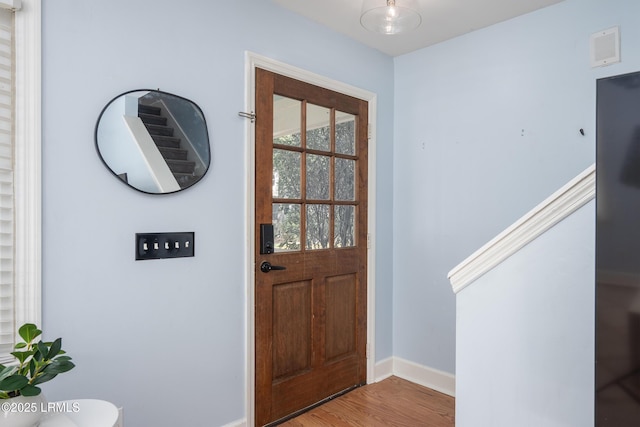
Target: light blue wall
166,339
486,127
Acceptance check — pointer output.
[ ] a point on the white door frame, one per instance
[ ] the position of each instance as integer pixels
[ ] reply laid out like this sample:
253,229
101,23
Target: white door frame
253,61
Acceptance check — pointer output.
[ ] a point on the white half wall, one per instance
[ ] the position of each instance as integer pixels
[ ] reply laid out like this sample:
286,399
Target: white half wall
525,334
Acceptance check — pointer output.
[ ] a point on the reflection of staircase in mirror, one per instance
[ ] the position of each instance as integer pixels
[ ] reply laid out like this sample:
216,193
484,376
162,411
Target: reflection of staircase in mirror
169,145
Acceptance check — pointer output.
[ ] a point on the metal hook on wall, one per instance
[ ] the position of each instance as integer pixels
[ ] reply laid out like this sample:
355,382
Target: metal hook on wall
251,115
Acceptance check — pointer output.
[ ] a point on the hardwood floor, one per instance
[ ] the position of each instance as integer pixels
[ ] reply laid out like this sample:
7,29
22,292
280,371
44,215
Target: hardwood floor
391,402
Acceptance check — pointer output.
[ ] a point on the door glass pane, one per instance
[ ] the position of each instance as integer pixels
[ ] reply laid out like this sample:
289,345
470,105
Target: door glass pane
318,169
345,133
317,234
345,180
318,128
286,174
287,115
286,227
344,226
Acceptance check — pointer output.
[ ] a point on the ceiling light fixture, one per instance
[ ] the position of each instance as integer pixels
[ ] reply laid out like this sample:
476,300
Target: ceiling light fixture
393,18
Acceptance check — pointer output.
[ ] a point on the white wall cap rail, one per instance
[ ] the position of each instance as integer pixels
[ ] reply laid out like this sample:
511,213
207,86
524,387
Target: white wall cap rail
554,209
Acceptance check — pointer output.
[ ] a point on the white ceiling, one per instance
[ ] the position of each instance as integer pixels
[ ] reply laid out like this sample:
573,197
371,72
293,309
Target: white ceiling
441,19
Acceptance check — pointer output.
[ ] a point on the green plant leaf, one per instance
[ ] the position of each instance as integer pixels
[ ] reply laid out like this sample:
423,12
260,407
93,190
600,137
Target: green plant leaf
54,348
32,368
58,367
13,382
22,356
43,378
7,371
43,350
20,345
30,390
29,332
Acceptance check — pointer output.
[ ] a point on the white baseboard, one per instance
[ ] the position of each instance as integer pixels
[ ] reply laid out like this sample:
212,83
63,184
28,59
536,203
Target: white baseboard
238,423
435,379
383,369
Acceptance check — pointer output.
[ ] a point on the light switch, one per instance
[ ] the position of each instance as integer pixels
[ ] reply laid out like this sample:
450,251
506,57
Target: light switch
164,245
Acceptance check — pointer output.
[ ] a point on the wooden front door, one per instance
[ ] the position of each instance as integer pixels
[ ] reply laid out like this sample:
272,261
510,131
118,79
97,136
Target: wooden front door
311,187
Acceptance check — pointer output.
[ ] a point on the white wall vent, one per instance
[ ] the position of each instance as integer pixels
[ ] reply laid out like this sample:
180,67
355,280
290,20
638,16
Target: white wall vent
605,47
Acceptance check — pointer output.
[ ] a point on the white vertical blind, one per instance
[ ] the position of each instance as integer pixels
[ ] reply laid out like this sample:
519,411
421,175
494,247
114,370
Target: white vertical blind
7,327
27,177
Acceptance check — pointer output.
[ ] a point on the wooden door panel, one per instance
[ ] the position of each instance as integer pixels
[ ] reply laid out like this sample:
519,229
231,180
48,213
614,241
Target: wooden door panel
341,316
291,329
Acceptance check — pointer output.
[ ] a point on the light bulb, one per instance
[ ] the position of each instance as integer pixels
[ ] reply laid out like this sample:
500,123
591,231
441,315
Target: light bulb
392,12
391,19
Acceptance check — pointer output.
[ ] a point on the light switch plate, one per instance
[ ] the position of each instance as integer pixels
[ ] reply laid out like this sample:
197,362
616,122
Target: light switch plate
164,245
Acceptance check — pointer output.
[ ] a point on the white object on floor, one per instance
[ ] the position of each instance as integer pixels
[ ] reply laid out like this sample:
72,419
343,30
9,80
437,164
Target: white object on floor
80,413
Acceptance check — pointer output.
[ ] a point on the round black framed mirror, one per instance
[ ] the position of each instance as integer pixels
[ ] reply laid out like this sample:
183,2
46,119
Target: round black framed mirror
153,141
